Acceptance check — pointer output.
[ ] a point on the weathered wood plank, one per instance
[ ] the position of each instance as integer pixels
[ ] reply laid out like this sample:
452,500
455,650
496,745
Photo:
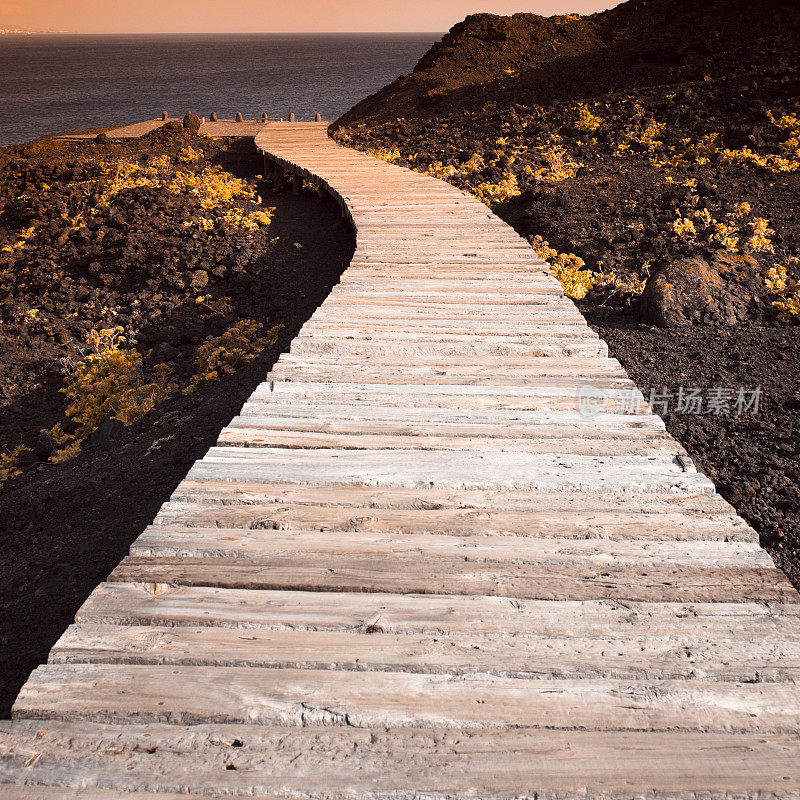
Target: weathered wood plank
666,625
446,652
185,695
471,501
312,763
532,472
562,522
249,432
416,576
194,542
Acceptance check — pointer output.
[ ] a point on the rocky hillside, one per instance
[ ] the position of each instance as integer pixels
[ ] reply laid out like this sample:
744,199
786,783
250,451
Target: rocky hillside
532,59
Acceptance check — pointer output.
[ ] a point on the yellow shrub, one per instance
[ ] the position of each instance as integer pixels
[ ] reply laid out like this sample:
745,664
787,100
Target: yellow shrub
23,237
700,152
586,121
683,227
643,133
213,186
124,175
559,166
506,188
67,446
386,154
109,383
773,163
439,170
786,290
235,348
188,155
568,268
248,221
760,239
8,464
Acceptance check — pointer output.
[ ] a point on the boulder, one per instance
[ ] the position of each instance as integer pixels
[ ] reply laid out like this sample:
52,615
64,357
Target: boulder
696,291
104,432
45,446
191,122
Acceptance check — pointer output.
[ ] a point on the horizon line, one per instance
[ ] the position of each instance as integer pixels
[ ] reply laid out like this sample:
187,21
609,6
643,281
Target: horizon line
217,33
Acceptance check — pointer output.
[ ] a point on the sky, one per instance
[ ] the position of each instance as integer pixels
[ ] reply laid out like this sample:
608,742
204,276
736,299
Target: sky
265,16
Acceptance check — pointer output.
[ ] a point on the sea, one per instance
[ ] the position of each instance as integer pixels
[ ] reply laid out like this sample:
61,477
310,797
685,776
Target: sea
59,82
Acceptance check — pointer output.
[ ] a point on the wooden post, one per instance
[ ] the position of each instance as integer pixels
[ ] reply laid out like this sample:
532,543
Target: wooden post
264,117
239,117
318,118
164,116
213,116
291,117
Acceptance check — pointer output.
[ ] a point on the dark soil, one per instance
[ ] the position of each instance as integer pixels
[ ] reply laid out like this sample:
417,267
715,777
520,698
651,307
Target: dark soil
64,527
509,88
754,459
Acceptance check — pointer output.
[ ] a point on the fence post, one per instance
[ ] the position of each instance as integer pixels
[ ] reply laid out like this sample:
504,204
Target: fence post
291,117
239,117
164,116
318,118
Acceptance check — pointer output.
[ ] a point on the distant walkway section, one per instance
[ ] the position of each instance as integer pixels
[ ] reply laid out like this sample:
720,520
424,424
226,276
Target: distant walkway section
219,128
444,551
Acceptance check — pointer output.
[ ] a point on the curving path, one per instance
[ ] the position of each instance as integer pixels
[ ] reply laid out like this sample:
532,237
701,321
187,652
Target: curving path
413,568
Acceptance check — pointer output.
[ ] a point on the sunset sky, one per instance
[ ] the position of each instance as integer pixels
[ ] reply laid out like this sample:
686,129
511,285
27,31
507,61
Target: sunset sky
233,16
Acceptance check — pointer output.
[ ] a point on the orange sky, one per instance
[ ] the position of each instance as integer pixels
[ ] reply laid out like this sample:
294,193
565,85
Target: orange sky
223,16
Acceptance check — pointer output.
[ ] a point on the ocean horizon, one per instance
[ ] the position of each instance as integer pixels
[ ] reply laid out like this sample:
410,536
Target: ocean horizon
58,82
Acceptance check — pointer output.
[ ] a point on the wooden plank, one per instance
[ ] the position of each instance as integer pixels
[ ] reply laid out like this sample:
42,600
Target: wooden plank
10,792
194,542
309,763
452,396
585,522
182,695
414,576
534,472
471,501
251,432
335,346
536,424
662,625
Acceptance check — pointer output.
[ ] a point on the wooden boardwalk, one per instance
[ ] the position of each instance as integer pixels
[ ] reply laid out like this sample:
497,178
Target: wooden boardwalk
412,568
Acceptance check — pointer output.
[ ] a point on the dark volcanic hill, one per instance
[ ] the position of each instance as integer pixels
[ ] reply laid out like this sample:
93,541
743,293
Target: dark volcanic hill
527,58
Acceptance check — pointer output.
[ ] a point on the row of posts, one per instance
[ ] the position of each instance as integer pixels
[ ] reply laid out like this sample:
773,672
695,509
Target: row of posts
239,118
